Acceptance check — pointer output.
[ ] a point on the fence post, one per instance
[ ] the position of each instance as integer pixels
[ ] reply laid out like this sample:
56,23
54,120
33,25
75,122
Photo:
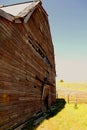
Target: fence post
68,98
76,102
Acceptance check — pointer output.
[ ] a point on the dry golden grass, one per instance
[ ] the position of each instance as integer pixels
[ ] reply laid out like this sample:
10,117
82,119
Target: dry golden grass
68,118
74,86
72,92
71,117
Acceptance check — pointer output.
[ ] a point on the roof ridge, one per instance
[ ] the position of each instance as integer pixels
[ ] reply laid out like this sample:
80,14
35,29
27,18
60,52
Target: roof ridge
18,3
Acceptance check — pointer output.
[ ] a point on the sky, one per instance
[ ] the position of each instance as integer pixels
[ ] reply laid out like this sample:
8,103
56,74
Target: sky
68,25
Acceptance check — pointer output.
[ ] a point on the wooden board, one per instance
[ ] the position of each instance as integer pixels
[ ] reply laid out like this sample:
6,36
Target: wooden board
26,52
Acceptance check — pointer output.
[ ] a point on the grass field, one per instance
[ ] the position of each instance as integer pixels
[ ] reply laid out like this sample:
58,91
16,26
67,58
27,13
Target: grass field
72,92
69,118
73,86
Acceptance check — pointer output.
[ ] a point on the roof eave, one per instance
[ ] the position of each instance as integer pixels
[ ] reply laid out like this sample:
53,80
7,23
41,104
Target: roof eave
26,18
6,15
22,18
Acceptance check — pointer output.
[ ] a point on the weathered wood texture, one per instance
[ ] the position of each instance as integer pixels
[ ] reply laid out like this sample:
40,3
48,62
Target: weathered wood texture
26,52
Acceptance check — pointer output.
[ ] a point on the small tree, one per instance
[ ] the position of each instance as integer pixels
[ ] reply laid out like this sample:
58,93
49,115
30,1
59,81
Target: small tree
61,80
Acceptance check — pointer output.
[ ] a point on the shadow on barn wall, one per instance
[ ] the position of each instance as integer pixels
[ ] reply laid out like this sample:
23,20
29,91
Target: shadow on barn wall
55,109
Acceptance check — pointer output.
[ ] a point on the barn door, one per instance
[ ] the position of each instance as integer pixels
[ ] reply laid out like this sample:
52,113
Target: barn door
45,98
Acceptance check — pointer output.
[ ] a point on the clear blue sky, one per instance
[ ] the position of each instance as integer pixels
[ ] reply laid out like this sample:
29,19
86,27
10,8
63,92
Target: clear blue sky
68,24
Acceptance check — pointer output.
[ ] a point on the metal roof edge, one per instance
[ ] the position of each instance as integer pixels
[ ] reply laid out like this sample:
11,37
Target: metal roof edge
19,19
17,3
29,14
27,17
6,15
38,5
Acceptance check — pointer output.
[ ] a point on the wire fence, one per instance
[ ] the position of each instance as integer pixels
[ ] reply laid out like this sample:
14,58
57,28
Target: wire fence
72,96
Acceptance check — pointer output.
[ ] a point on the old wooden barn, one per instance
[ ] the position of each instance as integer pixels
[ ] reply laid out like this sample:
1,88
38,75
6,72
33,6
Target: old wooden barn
27,64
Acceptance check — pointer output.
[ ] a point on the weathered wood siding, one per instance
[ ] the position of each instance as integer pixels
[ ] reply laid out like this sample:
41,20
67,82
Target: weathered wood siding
26,52
39,33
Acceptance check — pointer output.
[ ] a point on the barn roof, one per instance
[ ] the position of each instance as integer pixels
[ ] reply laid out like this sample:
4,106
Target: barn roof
19,11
